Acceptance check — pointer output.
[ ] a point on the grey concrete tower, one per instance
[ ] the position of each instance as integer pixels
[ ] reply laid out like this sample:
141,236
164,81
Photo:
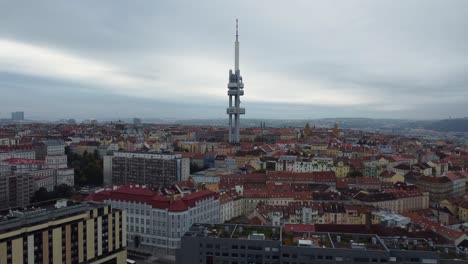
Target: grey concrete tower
235,91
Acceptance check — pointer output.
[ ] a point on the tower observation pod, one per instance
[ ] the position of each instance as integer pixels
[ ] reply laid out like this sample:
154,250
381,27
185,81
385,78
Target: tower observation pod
235,91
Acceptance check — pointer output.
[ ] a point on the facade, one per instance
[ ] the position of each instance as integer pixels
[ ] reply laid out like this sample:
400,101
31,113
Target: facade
440,188
17,116
231,205
152,169
235,91
49,147
300,244
53,166
68,232
295,164
56,161
341,169
395,201
23,165
306,212
370,168
18,154
16,190
157,220
47,182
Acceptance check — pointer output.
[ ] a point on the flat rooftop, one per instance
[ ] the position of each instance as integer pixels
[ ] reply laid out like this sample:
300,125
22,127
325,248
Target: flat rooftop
233,231
41,213
303,237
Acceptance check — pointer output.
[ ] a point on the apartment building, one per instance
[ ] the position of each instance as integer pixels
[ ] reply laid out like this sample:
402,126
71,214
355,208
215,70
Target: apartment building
159,220
393,200
16,190
246,244
152,169
65,232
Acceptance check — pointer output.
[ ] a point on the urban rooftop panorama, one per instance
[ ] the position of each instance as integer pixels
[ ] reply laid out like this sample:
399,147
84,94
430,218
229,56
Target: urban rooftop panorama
146,133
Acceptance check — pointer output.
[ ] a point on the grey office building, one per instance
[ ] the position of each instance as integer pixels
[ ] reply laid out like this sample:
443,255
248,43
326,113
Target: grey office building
243,244
16,190
17,116
151,169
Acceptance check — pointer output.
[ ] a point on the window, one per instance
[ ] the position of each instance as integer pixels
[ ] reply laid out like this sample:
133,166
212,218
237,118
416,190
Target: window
361,259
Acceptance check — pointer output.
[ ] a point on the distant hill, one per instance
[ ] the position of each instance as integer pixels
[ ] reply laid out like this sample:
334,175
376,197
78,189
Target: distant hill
447,125
452,125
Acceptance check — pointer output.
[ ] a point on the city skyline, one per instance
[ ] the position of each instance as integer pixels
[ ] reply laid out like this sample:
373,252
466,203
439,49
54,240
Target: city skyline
164,60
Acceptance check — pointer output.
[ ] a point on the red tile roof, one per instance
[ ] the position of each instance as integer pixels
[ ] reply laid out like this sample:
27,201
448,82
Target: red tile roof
298,228
147,196
23,161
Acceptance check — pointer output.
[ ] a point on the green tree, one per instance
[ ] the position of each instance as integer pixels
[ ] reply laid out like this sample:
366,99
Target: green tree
40,195
88,168
354,174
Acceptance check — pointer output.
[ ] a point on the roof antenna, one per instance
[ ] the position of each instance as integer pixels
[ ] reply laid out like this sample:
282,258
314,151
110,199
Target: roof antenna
237,31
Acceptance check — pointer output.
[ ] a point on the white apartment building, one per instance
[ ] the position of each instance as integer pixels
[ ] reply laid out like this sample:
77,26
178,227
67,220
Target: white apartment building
18,154
158,220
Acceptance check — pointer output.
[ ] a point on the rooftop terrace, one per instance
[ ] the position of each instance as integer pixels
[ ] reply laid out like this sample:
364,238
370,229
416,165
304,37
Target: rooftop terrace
235,231
45,212
304,237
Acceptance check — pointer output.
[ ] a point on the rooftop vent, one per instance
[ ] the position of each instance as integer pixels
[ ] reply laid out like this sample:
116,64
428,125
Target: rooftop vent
256,236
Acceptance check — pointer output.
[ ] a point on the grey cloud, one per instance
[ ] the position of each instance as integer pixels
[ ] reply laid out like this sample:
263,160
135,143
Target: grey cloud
407,55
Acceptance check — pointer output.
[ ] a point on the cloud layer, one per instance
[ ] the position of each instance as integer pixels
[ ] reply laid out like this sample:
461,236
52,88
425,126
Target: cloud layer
303,59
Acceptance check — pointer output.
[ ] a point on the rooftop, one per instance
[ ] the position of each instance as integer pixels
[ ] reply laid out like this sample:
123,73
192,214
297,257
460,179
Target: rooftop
44,213
139,194
306,236
235,231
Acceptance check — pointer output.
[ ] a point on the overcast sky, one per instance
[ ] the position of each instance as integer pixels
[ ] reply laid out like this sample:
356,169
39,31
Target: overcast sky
170,59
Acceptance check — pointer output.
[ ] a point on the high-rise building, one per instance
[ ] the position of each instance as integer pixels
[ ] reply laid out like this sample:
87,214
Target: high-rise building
144,168
17,116
137,121
235,91
67,232
16,189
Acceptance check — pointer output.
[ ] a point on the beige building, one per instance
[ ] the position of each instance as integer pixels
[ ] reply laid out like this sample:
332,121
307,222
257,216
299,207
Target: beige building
341,169
394,201
67,232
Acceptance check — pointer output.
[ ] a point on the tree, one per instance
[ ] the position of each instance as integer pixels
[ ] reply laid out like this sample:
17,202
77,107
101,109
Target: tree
194,167
354,174
63,191
88,168
96,154
40,195
60,191
307,130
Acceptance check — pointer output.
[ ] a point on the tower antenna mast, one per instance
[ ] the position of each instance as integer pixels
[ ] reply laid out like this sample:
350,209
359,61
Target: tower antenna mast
235,91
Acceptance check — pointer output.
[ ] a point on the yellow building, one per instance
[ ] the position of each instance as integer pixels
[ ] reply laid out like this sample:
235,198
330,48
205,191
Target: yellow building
192,146
212,186
450,205
457,206
253,161
341,170
463,212
390,176
332,151
197,147
67,232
